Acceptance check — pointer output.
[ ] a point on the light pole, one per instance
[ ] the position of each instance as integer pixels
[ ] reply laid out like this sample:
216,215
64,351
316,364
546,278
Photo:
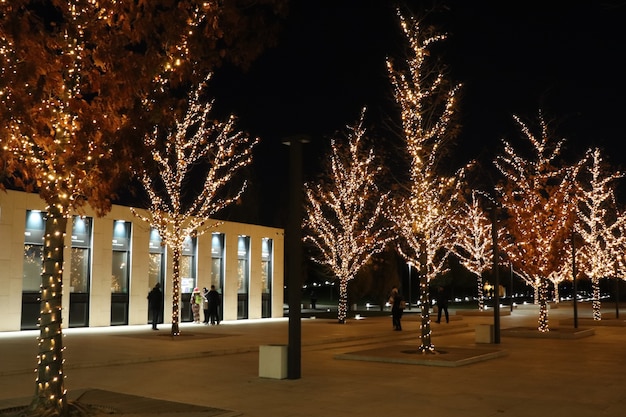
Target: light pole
410,266
496,276
511,263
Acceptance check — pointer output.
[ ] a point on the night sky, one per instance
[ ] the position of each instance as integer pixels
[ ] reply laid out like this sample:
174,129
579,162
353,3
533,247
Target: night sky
513,57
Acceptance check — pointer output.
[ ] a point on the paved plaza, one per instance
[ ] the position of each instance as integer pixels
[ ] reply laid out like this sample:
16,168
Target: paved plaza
360,368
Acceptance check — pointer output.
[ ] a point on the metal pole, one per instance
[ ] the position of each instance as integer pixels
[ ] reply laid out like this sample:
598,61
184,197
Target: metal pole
409,263
496,277
511,286
574,284
616,297
293,254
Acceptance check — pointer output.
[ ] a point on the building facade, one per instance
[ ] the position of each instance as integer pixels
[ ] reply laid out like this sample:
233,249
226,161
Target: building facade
112,262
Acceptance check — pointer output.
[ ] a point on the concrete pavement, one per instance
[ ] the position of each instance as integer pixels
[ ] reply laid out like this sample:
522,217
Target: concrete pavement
214,370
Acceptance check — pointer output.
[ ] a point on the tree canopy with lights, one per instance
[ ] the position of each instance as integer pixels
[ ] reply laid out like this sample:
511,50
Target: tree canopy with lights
345,211
427,103
75,79
598,225
474,242
539,195
202,151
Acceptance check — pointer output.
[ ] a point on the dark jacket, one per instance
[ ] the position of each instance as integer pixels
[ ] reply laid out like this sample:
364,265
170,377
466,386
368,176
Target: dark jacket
214,299
155,298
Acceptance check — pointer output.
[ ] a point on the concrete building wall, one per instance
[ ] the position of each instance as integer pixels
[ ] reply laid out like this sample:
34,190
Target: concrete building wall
14,206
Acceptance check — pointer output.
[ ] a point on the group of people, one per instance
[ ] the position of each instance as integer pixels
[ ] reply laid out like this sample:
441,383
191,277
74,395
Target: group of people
208,300
398,304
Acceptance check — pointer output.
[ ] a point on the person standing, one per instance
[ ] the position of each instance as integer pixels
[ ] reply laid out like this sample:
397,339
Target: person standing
196,303
205,304
214,304
313,300
396,309
155,302
442,304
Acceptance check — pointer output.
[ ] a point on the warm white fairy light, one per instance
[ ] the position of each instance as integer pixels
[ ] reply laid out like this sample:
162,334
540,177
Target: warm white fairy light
178,52
427,105
44,130
598,225
619,250
195,140
345,212
564,270
539,198
474,242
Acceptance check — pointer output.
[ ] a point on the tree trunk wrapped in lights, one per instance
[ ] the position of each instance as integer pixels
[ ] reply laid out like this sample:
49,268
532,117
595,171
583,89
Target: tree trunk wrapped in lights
540,200
427,103
198,147
598,225
345,220
50,393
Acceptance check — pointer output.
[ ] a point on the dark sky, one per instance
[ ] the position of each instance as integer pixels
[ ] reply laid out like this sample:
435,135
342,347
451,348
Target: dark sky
513,57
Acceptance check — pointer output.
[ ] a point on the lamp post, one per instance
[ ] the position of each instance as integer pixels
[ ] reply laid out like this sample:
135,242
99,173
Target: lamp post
293,252
496,277
410,286
511,286
574,283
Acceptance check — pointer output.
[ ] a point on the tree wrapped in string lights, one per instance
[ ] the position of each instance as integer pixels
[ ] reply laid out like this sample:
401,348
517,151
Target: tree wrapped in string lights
427,103
73,74
197,150
599,225
474,242
57,140
563,273
345,221
540,199
619,252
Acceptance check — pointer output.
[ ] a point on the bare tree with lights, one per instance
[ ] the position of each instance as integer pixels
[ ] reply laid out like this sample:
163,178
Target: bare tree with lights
74,72
563,273
427,103
598,225
197,150
345,221
539,197
474,242
619,253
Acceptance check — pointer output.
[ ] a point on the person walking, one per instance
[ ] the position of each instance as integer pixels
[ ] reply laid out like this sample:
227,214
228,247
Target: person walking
442,304
396,302
196,303
205,304
155,302
214,304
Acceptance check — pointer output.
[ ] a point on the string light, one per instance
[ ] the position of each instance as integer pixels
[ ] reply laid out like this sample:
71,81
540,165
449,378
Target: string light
345,212
473,245
427,105
539,198
598,225
195,140
57,152
62,103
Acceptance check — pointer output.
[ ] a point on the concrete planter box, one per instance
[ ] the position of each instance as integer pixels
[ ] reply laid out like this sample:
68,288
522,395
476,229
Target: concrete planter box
273,361
484,333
